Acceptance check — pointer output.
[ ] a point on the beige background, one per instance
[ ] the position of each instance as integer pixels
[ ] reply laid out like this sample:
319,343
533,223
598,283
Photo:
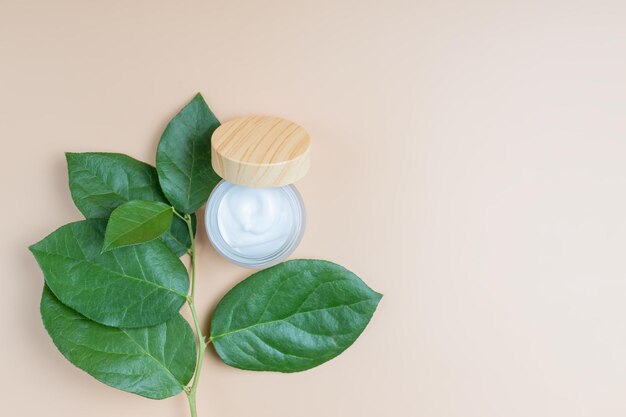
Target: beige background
469,163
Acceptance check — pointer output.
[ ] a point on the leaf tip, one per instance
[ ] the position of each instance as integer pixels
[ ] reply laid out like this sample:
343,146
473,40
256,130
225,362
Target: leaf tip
376,297
198,99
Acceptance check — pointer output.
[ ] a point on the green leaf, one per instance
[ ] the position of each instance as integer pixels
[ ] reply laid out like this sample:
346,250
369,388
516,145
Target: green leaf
100,182
292,316
137,222
155,362
183,159
135,286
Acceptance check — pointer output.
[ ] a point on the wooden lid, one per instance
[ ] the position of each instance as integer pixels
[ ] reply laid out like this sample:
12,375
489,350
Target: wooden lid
260,151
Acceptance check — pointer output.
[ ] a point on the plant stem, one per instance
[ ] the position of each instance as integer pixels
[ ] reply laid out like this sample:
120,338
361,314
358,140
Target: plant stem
192,256
201,342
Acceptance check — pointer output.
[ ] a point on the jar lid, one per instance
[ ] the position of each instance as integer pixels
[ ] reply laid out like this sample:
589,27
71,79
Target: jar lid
260,151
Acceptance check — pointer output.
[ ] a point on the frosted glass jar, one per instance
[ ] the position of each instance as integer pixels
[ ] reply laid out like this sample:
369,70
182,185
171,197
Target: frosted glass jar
255,217
255,227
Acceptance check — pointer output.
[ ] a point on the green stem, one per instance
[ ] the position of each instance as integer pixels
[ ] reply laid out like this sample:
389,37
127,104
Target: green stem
201,342
192,404
192,255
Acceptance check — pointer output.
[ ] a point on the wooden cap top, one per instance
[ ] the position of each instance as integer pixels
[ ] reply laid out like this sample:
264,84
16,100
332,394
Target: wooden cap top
260,151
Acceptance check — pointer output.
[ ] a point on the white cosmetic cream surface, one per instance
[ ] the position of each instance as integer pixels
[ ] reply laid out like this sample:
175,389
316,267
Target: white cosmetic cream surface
255,222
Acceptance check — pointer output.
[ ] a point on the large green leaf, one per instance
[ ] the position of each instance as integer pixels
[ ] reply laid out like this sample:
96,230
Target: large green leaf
155,362
136,222
100,182
135,286
183,159
291,317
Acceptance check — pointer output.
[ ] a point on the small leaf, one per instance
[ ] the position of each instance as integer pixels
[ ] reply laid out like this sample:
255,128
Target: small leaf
183,159
292,316
100,182
155,362
135,286
137,222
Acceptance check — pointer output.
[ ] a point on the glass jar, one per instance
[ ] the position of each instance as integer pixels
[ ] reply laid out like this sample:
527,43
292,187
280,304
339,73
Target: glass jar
255,217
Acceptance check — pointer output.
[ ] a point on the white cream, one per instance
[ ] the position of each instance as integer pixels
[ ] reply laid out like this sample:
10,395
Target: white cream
254,227
255,222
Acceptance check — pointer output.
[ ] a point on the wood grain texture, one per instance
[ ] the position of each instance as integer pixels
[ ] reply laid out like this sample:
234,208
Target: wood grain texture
260,151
